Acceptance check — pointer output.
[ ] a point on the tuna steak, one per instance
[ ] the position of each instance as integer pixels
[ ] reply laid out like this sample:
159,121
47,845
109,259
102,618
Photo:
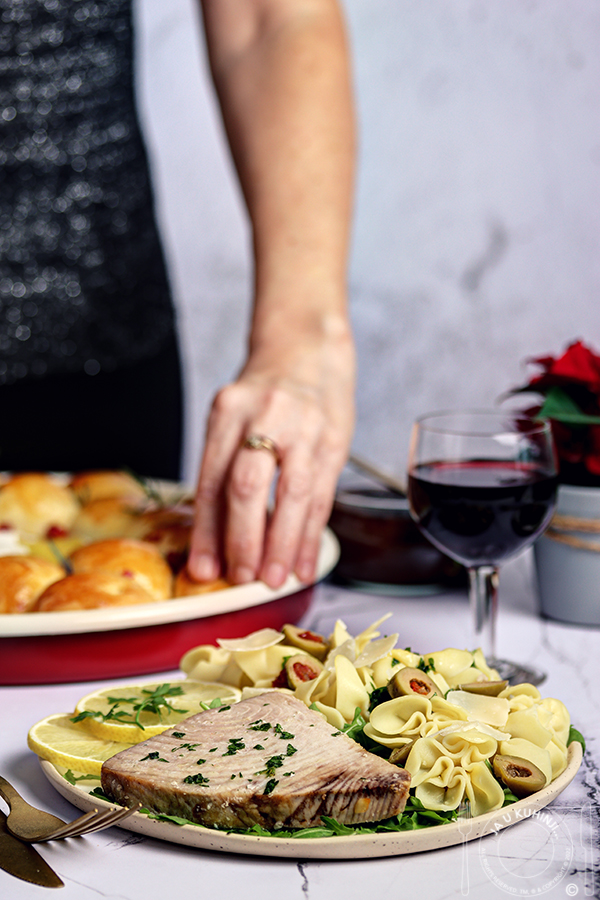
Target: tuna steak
267,760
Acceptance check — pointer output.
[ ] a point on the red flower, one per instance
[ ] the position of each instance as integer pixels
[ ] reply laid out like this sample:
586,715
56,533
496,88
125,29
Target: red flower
570,385
578,365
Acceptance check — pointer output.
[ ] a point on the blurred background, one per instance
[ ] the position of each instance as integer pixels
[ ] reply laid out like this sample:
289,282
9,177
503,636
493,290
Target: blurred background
477,232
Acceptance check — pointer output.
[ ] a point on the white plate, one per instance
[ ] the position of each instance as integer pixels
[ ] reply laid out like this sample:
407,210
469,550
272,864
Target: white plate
202,606
355,847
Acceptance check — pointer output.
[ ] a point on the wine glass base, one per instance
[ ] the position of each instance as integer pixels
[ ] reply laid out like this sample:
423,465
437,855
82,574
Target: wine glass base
515,673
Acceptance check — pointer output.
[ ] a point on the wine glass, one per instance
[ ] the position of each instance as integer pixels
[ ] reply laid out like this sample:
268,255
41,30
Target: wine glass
482,487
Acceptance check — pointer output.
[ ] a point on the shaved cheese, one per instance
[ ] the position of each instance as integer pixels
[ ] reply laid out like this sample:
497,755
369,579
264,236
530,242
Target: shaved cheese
347,649
371,632
376,650
258,640
473,726
490,710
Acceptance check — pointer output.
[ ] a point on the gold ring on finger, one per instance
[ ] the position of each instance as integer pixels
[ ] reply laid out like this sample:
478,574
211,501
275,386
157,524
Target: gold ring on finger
261,442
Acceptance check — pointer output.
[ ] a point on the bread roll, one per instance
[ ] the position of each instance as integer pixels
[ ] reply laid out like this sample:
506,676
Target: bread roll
108,517
129,558
185,586
92,590
34,503
23,579
97,485
169,530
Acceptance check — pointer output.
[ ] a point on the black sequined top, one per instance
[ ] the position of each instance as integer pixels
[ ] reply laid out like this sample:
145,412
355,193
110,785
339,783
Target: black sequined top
82,277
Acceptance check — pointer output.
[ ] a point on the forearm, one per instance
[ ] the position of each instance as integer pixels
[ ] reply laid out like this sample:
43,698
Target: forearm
282,75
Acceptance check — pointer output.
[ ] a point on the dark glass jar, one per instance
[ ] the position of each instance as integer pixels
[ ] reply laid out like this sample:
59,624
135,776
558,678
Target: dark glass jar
382,548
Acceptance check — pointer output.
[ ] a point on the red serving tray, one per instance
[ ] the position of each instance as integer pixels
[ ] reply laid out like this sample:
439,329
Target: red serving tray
98,655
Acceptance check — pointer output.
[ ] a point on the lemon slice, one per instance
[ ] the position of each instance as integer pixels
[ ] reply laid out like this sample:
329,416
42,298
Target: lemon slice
117,714
64,743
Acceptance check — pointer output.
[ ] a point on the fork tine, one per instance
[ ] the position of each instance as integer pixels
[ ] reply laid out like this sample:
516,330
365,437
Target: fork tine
68,829
90,822
110,818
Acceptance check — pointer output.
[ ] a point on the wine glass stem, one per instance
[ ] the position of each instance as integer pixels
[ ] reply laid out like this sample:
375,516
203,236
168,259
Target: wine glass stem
483,595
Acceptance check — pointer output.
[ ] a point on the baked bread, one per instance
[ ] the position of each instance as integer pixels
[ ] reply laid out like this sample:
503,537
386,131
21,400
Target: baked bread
35,504
92,590
133,559
23,579
108,517
185,586
98,484
169,529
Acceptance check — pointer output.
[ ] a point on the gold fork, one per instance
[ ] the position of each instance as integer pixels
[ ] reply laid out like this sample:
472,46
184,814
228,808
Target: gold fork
34,826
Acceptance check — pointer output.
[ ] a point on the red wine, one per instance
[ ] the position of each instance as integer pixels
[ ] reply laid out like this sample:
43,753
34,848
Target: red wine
481,512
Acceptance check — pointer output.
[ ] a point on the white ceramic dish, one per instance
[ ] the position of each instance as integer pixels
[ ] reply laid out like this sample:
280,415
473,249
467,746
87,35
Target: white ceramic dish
96,644
182,609
354,847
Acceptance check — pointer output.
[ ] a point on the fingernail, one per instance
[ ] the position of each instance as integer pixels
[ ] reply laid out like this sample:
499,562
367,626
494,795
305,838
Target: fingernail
305,572
242,575
204,567
274,575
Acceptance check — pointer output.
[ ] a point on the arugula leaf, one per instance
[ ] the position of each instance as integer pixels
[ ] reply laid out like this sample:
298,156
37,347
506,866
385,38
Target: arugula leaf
98,792
379,695
575,735
509,797
74,779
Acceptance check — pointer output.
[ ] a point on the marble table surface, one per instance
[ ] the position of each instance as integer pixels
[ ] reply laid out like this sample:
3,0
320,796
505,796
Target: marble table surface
555,854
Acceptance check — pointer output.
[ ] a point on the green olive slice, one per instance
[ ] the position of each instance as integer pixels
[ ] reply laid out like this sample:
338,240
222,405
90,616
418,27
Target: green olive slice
519,775
308,641
399,755
411,681
484,688
301,668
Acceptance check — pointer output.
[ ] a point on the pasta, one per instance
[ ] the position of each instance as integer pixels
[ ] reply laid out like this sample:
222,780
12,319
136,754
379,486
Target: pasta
446,740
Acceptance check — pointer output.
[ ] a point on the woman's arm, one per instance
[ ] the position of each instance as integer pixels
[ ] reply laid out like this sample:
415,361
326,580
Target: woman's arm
282,75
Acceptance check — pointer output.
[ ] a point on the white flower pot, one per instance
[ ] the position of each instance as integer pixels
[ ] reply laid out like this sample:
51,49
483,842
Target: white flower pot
567,560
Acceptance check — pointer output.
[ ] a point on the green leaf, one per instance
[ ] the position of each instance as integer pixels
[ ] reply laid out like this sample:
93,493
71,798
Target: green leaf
575,735
560,406
74,779
98,792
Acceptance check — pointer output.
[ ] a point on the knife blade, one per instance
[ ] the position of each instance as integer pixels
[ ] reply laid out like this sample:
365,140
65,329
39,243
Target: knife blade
23,861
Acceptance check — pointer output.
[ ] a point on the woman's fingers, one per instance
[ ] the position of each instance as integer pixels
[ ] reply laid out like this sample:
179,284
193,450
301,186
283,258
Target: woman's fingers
223,435
262,504
247,499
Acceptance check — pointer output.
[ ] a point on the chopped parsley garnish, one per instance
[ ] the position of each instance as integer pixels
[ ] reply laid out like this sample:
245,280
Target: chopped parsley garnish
196,779
233,746
153,755
185,747
284,735
259,725
270,786
426,666
179,734
153,702
275,762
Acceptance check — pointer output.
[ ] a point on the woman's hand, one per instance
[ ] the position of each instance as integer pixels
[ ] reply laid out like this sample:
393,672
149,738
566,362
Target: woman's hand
301,398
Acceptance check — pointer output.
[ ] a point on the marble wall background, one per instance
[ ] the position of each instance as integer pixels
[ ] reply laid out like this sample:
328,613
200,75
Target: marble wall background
477,232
